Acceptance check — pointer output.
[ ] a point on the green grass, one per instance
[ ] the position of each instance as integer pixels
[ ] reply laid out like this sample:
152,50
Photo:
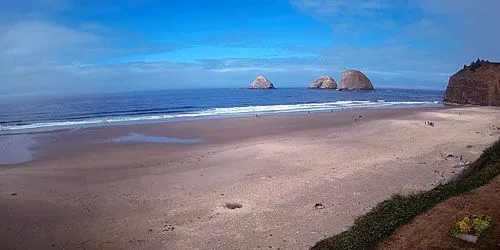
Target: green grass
378,224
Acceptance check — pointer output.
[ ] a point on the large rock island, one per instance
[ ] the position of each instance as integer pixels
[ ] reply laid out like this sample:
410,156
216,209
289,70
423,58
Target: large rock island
261,83
324,82
355,80
476,84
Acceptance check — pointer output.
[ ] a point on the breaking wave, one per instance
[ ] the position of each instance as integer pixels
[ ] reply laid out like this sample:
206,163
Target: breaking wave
212,112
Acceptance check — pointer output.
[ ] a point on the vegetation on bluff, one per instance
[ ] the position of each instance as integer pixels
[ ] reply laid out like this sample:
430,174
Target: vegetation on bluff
377,225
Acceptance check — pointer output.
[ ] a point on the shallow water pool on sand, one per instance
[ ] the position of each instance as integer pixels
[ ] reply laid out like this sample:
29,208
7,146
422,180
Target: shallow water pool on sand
16,149
135,137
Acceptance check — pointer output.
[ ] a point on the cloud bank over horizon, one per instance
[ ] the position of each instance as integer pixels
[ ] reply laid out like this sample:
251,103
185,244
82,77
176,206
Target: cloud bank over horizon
70,46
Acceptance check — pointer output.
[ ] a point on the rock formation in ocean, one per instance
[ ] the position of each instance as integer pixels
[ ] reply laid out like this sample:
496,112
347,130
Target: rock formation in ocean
355,80
476,84
261,83
324,82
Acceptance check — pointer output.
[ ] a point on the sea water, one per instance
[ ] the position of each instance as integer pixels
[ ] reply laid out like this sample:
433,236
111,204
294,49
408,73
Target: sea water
27,114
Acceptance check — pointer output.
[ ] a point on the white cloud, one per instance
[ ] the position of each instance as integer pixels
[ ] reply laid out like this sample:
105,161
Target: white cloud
469,25
35,38
445,35
340,7
40,54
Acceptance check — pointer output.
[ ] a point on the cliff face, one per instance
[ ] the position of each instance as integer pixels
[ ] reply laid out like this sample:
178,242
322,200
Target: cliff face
355,80
261,83
477,84
324,82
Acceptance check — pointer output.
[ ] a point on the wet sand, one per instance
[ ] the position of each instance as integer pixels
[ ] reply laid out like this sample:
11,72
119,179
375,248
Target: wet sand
87,190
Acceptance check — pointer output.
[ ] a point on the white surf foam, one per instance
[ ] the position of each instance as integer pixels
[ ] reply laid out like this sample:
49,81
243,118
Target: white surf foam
214,112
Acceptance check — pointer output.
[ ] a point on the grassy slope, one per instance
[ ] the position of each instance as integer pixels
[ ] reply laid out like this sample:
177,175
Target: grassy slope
378,224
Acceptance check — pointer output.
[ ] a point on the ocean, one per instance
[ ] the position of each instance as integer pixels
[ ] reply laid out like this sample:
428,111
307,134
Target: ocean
33,114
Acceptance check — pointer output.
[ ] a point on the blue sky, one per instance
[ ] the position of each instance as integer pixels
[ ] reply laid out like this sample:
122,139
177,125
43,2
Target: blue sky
76,46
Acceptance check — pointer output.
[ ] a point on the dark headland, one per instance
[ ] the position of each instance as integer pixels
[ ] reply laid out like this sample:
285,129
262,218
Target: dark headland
475,84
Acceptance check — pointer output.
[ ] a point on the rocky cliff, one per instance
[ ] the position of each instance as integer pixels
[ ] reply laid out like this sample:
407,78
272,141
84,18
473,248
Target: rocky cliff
261,83
324,82
355,80
476,84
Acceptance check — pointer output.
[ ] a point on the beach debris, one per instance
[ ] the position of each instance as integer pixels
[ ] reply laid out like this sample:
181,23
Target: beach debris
494,130
448,156
428,123
13,194
463,162
469,146
231,205
133,240
318,206
167,228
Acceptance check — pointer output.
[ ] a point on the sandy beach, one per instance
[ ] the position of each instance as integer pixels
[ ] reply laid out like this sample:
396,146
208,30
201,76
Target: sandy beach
298,178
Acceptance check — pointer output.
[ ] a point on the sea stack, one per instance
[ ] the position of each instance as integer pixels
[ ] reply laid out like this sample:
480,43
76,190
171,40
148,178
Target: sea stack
476,84
355,80
324,82
261,83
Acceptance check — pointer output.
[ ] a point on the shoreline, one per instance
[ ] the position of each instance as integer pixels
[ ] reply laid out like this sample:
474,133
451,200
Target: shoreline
38,140
54,126
147,195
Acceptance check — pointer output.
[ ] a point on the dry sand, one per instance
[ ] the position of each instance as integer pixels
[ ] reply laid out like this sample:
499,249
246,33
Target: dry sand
84,192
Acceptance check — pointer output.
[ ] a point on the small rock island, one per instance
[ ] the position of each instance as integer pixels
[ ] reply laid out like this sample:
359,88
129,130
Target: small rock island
261,83
476,84
324,82
355,80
